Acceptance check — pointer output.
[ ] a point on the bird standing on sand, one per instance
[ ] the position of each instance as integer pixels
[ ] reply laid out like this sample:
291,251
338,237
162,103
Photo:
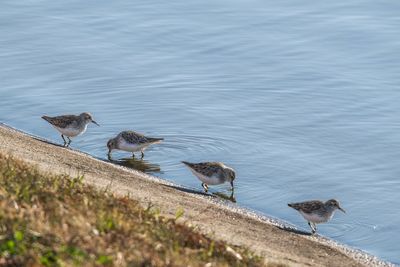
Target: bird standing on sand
316,211
132,142
212,173
70,125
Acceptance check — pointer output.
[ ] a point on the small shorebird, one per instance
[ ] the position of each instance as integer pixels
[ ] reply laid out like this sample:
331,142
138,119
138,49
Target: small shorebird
70,125
132,142
212,173
316,211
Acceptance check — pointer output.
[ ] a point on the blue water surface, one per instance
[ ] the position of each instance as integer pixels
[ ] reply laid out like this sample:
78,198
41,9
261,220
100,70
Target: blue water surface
300,97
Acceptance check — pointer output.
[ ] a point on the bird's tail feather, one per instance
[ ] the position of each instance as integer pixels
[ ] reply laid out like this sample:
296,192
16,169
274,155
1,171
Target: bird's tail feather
155,140
46,118
187,163
294,206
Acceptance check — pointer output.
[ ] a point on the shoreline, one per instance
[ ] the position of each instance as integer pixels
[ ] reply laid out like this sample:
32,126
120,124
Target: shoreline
269,237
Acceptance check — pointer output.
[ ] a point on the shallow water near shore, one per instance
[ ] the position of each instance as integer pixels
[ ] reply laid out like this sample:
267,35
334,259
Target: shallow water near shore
301,98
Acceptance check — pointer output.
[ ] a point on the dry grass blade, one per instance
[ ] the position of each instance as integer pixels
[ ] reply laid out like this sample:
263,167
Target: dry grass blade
60,221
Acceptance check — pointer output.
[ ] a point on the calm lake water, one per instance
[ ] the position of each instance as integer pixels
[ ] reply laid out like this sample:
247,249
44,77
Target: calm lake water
302,98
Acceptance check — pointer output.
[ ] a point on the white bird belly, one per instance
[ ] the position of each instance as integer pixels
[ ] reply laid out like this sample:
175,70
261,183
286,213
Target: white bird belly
315,218
213,180
70,131
125,146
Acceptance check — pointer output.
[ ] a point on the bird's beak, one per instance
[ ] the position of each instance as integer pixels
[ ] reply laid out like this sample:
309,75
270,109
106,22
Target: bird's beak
232,185
342,210
95,123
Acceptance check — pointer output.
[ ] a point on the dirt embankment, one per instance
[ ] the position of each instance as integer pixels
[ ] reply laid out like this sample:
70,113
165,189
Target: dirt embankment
275,241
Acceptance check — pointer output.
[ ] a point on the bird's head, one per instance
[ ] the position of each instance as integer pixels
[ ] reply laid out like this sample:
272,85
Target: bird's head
87,118
111,144
334,204
230,174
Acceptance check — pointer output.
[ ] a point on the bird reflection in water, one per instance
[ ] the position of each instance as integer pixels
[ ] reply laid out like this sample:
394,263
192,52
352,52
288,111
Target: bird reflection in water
138,164
230,197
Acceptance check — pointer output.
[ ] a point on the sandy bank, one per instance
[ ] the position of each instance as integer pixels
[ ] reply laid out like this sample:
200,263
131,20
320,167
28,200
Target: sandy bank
270,238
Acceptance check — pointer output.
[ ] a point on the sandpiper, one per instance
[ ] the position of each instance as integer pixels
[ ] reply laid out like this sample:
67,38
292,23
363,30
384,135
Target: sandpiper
132,142
316,211
212,173
70,125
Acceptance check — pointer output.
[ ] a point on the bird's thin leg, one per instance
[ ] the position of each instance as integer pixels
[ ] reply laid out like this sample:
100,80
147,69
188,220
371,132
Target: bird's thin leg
315,227
142,154
205,186
232,197
65,142
312,228
69,141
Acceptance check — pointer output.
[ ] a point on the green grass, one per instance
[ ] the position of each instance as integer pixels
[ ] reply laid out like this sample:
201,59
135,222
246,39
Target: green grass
60,221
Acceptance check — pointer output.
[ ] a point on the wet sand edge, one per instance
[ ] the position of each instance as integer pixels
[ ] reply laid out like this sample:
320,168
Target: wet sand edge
272,238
